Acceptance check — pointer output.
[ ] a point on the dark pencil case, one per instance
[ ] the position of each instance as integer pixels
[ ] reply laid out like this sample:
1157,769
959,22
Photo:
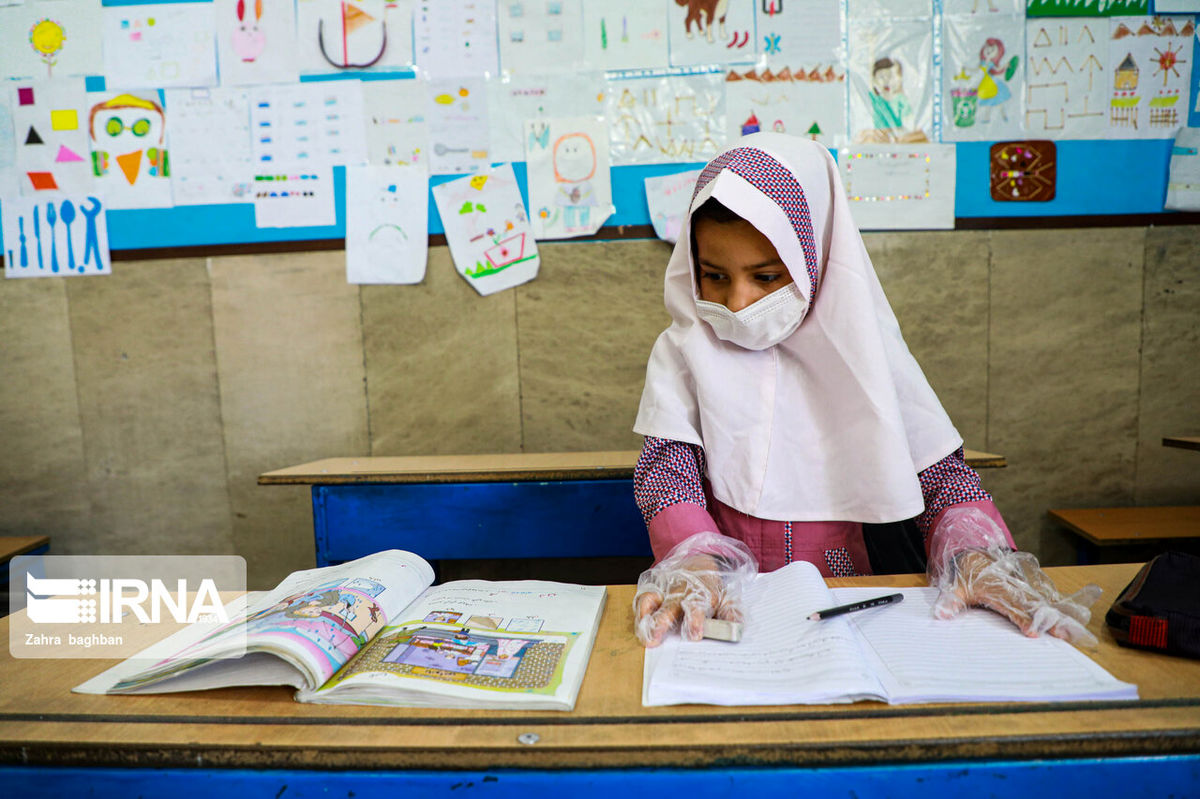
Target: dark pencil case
1160,608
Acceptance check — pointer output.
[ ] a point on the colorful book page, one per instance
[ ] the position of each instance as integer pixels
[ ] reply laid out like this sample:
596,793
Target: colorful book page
164,44
318,122
570,188
50,136
1067,85
256,42
455,39
387,215
540,35
662,120
338,35
47,39
211,159
488,231
983,78
897,187
891,81
1149,67
458,126
55,235
295,196
711,33
625,34
809,103
668,197
516,98
129,149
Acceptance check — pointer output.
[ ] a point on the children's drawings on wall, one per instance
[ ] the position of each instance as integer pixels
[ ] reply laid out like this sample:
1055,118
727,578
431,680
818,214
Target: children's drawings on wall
1067,88
983,78
809,103
50,130
984,8
900,186
668,197
517,98
166,44
711,32
540,35
45,39
570,190
891,81
792,33
488,229
128,137
890,9
341,35
397,133
256,42
55,235
211,160
318,122
458,126
455,39
294,197
1149,68
625,34
386,227
679,118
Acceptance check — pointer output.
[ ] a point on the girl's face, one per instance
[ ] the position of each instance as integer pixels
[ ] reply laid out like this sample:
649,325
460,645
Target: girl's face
736,265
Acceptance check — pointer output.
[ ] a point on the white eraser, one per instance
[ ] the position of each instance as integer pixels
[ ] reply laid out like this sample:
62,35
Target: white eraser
722,630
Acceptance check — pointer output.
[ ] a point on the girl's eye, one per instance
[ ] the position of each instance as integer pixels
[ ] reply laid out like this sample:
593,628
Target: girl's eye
711,276
767,278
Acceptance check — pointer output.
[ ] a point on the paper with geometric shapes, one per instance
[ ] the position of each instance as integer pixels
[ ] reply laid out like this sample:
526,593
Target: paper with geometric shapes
663,120
894,187
128,132
891,81
211,161
387,239
455,39
983,77
256,42
1066,79
164,44
488,230
540,35
570,190
710,32
1150,73
804,103
340,35
667,198
397,133
513,99
55,235
625,34
316,122
801,34
294,196
50,133
458,125
44,39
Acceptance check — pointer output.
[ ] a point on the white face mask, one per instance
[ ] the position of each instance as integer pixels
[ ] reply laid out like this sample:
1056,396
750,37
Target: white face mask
761,324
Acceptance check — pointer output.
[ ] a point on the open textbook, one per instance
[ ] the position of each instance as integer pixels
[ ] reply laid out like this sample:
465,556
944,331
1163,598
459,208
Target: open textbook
896,653
374,631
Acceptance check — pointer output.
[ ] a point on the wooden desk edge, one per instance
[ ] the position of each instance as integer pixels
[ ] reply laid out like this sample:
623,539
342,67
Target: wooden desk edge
28,543
1063,517
332,471
1182,442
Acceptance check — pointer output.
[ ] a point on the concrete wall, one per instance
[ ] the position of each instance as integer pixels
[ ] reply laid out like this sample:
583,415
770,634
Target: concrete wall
137,411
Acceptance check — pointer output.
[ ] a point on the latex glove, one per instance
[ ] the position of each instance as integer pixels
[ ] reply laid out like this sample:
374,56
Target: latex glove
701,577
972,564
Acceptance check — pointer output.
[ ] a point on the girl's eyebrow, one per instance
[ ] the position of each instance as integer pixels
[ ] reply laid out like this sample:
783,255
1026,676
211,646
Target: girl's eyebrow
748,268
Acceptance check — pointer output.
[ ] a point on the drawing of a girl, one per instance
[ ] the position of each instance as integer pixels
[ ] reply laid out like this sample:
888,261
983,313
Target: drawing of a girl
993,89
574,167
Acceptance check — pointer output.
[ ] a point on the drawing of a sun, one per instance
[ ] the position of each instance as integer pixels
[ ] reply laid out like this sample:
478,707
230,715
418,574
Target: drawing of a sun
1166,61
47,37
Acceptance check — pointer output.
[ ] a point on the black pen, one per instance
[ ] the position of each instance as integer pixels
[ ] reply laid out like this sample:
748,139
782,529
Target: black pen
829,613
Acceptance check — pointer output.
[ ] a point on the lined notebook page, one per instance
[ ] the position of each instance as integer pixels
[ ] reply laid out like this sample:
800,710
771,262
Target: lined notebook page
976,656
782,658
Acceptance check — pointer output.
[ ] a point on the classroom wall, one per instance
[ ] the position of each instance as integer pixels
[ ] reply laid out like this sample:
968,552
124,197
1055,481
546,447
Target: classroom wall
136,411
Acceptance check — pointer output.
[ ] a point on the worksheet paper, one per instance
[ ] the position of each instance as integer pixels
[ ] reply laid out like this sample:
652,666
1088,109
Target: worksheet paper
55,235
898,653
810,104
663,120
1067,87
294,196
338,35
130,148
50,135
387,219
397,132
256,42
211,160
625,34
795,34
540,35
1149,64
570,189
44,39
488,230
668,198
514,99
458,126
900,187
318,122
165,44
455,39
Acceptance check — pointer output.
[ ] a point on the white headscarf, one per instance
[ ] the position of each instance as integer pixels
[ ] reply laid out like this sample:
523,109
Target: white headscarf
834,422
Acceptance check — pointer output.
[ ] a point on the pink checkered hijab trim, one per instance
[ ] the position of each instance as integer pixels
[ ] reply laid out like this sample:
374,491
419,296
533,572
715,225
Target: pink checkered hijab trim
776,182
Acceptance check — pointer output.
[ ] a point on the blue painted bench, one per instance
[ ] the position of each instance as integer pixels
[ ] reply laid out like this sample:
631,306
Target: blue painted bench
518,505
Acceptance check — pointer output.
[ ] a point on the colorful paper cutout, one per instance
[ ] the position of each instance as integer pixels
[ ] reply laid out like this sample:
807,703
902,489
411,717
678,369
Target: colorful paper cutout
1023,171
64,119
55,235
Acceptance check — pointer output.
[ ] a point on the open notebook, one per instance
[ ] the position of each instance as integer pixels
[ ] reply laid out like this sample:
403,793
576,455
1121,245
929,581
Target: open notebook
897,653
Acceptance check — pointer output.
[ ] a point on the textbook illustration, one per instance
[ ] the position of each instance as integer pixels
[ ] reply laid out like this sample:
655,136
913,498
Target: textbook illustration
375,631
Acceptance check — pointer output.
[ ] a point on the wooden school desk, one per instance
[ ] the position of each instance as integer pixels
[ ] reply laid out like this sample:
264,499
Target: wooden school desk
521,505
1140,528
258,742
10,547
1182,442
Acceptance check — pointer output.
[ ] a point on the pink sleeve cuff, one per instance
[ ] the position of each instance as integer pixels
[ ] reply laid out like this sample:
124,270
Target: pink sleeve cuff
985,505
676,522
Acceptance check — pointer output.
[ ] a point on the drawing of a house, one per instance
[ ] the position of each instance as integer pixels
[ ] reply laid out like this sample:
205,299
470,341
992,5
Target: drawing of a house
1124,106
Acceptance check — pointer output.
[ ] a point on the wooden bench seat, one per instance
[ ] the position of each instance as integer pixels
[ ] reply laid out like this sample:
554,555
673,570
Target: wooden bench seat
1149,526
